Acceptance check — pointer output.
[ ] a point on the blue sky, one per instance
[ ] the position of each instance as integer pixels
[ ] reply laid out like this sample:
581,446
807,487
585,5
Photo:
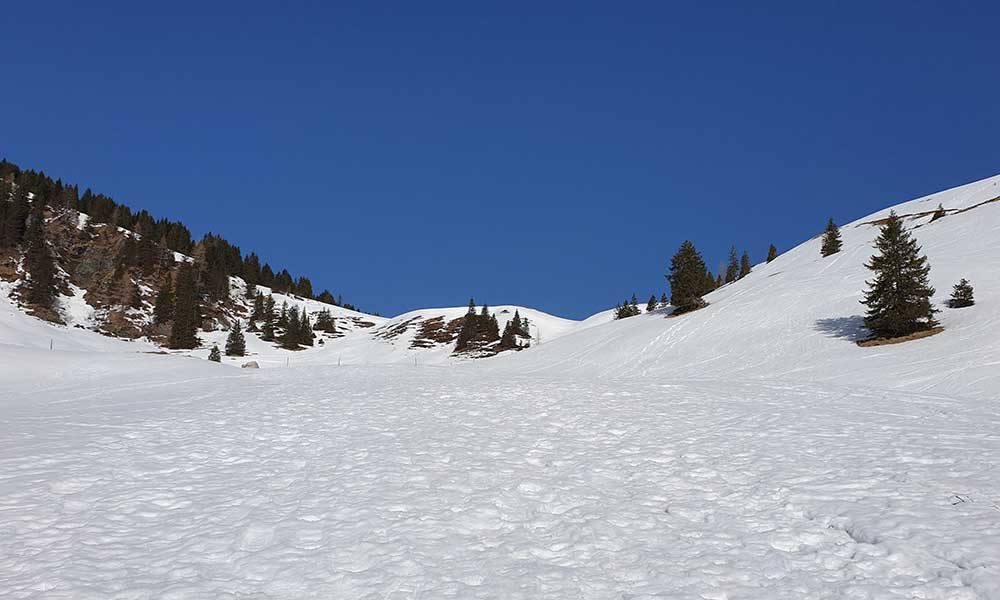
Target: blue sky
553,155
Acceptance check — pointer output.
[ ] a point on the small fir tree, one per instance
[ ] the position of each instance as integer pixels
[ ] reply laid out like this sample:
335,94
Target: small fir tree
509,339
325,321
258,307
469,329
305,330
163,308
733,266
772,253
744,265
214,355
39,263
187,313
961,295
898,298
831,239
651,304
267,318
236,344
292,335
687,278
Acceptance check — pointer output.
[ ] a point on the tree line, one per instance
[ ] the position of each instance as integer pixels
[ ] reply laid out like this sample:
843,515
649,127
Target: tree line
218,257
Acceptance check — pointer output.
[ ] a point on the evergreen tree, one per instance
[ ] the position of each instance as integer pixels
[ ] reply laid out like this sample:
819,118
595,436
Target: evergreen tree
291,336
508,340
488,330
325,321
477,329
303,287
961,295
651,305
520,325
305,330
626,310
267,328
38,262
214,354
258,307
744,265
187,313
733,266
283,316
492,329
711,283
772,253
146,252
16,219
898,299
236,344
267,276
163,309
470,328
663,299
831,239
687,278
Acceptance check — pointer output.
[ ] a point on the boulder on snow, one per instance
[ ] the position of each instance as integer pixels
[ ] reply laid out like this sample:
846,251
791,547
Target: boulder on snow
251,365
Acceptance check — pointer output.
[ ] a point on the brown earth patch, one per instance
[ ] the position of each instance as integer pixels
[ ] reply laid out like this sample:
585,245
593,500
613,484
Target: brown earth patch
398,329
435,331
899,340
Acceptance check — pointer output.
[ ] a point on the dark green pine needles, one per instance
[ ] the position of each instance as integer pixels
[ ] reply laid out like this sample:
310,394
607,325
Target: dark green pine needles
688,279
898,298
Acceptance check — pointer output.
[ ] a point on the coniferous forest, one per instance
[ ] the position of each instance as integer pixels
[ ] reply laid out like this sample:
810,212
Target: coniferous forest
117,250
218,257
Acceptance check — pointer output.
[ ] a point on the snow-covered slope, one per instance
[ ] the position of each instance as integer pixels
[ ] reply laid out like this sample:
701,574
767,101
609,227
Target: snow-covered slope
404,339
798,317
19,330
747,450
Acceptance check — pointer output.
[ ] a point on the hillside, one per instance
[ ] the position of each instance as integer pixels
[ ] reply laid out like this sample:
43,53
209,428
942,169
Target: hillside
749,449
799,305
797,317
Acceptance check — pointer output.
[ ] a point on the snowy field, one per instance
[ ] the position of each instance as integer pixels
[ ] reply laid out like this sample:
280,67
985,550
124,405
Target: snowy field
194,480
748,450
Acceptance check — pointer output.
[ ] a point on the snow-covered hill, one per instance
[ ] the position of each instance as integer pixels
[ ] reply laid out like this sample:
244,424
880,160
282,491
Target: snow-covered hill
797,317
746,450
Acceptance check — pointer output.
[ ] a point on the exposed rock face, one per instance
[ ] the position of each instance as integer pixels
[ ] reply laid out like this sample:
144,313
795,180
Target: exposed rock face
94,259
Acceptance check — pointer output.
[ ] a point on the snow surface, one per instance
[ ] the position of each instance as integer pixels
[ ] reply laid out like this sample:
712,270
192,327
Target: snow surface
410,482
746,450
